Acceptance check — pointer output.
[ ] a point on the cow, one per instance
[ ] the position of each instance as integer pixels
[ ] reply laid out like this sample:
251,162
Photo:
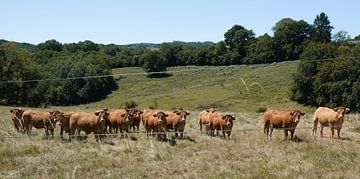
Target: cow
287,120
223,123
16,115
37,119
120,119
205,119
81,121
64,122
176,120
333,118
136,119
155,122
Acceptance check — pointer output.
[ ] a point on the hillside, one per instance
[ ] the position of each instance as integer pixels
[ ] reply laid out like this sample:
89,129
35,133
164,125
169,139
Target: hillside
229,88
247,154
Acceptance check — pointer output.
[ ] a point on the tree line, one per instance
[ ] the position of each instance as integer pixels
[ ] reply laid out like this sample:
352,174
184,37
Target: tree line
291,40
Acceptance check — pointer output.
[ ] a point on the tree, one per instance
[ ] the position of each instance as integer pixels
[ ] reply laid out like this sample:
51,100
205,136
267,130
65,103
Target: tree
289,36
262,51
357,37
321,29
303,87
237,38
153,62
341,37
51,45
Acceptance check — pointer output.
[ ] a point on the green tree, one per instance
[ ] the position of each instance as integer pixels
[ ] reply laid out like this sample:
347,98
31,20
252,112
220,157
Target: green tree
321,29
303,87
289,36
237,38
262,51
153,62
51,45
341,37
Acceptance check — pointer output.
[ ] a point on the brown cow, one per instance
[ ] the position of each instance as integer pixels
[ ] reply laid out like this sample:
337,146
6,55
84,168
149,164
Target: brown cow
120,118
334,118
205,118
136,118
223,123
64,122
176,120
37,119
16,115
155,121
80,121
277,119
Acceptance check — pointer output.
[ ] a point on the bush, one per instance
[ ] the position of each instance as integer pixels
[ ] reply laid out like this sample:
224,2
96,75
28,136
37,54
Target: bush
130,104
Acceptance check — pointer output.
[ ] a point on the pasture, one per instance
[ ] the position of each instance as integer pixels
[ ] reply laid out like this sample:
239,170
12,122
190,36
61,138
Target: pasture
247,154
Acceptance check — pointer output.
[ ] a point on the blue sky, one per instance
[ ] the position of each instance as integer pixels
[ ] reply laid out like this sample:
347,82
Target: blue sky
133,21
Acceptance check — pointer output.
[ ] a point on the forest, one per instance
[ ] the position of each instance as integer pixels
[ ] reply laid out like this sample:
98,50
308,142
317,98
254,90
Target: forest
331,82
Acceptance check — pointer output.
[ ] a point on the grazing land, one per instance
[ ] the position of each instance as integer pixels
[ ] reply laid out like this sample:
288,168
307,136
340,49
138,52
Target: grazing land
247,154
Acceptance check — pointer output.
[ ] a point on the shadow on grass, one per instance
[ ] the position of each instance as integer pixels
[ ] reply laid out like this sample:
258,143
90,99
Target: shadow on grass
159,75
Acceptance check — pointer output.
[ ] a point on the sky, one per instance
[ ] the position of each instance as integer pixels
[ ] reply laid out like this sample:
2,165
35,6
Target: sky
156,21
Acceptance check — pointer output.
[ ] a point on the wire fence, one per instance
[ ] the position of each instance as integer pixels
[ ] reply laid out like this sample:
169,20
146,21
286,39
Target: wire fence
153,73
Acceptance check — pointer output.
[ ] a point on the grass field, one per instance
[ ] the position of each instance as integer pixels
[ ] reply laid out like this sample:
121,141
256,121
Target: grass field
246,154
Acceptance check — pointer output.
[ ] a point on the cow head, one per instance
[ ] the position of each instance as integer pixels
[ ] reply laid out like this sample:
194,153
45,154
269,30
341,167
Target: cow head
228,119
103,114
54,115
211,110
341,111
296,114
182,114
161,116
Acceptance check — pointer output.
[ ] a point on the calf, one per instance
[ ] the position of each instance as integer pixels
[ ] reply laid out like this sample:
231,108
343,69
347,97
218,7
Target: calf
80,121
155,122
205,118
287,120
223,123
334,118
176,120
16,115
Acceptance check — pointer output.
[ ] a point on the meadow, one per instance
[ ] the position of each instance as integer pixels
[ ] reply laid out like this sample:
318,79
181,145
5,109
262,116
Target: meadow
242,91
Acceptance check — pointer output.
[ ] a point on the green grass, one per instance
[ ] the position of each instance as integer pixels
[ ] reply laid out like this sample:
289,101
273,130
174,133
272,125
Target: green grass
246,155
221,87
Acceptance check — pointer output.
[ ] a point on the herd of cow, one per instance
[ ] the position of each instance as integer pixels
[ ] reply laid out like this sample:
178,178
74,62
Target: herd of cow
159,122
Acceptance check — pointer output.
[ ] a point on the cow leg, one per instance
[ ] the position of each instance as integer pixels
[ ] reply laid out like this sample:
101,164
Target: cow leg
286,133
332,131
176,133
61,132
314,129
229,132
338,133
270,132
292,134
321,130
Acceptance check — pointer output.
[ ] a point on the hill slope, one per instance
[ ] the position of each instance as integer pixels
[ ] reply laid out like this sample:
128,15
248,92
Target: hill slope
232,88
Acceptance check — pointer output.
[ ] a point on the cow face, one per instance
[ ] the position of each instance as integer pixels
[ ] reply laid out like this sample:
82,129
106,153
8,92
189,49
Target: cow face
211,110
54,117
182,114
128,116
341,111
296,114
228,119
103,114
161,116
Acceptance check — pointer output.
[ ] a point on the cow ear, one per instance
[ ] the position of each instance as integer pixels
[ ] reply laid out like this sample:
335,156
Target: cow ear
141,112
222,117
292,113
11,110
347,110
187,112
123,115
166,115
336,109
233,118
154,115
96,113
207,110
302,113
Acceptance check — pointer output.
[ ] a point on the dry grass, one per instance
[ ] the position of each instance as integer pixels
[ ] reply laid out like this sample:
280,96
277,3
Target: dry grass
246,154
